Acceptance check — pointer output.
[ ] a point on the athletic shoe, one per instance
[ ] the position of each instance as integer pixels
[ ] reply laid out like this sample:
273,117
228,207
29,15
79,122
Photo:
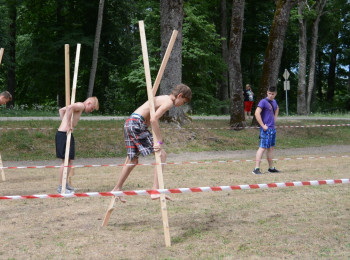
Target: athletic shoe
59,190
257,171
69,187
273,170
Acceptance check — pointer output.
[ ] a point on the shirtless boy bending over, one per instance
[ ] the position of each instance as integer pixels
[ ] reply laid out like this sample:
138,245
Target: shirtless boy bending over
67,126
138,140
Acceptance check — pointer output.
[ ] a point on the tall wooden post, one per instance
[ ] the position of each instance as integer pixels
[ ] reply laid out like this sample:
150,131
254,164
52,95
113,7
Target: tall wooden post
2,170
157,154
67,93
69,134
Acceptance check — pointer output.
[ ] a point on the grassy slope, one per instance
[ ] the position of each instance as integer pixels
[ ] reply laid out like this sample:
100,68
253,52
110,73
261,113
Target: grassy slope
31,144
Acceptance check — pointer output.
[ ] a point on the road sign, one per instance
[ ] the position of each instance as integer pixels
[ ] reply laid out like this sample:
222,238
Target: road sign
286,74
287,85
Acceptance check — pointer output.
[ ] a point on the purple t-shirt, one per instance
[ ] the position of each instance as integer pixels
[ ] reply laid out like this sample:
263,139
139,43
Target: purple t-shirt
267,113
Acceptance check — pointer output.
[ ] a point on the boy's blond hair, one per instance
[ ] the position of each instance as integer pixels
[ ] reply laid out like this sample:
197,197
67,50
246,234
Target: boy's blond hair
184,90
6,95
95,100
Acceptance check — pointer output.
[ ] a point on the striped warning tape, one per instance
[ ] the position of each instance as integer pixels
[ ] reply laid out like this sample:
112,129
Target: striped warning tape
173,163
179,128
180,190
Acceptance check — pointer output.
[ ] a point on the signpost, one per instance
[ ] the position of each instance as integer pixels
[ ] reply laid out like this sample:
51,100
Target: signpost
286,87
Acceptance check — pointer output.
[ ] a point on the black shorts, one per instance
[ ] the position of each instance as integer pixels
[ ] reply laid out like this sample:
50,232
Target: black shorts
61,140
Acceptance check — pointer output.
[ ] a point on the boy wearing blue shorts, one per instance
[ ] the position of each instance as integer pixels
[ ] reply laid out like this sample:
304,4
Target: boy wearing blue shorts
266,114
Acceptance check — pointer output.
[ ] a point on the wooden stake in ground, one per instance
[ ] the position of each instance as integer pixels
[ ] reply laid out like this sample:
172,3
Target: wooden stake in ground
69,134
67,92
2,170
1,54
157,154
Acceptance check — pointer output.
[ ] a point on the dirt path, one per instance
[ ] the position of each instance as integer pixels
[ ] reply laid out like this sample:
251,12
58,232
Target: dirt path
197,156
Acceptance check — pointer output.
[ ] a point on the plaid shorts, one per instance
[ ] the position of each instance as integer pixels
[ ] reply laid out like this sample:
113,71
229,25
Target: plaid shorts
138,140
267,138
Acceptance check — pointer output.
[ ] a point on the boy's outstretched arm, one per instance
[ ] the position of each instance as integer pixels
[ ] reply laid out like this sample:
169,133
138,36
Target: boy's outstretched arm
155,121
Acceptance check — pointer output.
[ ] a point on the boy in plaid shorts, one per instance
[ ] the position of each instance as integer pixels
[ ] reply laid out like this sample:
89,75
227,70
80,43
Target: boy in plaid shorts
138,140
266,114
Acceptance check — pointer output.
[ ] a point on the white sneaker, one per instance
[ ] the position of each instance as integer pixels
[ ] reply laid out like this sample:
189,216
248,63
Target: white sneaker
59,190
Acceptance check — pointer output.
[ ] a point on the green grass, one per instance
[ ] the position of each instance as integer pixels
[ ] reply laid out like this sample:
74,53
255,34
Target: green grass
29,144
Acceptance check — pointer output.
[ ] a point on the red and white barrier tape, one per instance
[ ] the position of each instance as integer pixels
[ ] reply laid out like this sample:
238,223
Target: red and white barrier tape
180,190
186,128
173,163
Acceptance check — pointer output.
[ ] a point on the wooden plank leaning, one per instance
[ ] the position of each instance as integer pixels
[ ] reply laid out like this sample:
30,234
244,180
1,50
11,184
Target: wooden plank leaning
69,134
157,154
155,87
2,170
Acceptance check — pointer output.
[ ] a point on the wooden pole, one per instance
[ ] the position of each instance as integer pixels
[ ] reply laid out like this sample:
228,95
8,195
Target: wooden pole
1,54
164,62
67,73
67,92
157,154
69,134
111,206
2,170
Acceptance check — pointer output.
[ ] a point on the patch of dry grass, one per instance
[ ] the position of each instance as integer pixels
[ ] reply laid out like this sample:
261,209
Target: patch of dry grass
300,222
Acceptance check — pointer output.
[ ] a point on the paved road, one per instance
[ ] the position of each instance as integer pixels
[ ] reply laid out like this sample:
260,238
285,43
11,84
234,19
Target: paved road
101,118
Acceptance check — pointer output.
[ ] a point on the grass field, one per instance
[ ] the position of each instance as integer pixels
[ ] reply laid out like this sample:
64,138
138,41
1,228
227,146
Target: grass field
24,144
292,223
288,223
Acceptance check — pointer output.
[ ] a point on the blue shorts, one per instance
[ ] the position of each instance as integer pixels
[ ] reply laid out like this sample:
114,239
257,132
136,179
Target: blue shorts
267,138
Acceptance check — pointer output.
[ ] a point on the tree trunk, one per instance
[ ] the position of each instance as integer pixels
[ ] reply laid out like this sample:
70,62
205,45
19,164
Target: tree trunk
301,101
11,72
275,47
319,78
319,8
331,72
95,52
223,86
349,79
171,18
235,72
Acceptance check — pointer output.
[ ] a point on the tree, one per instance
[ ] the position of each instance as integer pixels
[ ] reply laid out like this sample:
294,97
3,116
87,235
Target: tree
171,18
223,85
271,66
301,96
314,36
11,72
96,45
235,71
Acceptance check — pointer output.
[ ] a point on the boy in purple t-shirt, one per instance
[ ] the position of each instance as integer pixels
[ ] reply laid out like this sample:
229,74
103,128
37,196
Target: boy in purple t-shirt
266,114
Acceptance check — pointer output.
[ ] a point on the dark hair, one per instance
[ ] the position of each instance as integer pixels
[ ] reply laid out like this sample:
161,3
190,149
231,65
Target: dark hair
272,89
184,90
6,95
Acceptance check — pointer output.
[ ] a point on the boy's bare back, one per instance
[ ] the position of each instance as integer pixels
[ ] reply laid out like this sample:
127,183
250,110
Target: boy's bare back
161,105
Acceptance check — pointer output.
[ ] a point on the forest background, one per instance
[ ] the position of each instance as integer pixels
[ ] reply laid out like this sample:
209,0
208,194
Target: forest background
33,34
